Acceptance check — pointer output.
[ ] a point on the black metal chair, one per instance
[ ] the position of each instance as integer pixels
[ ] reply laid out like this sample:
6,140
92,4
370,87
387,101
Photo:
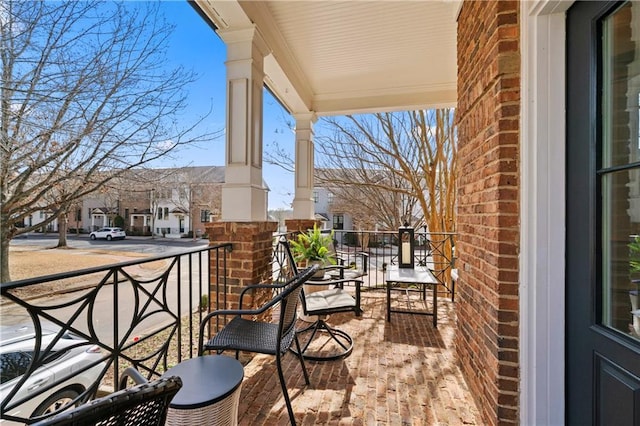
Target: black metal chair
349,265
142,405
331,299
265,337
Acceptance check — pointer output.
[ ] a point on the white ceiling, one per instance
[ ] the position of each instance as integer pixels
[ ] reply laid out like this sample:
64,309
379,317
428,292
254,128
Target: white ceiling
339,57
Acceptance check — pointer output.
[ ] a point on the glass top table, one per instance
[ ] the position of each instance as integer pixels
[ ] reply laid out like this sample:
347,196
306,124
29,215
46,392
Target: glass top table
419,275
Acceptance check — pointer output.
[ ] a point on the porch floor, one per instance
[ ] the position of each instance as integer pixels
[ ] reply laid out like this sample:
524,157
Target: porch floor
399,373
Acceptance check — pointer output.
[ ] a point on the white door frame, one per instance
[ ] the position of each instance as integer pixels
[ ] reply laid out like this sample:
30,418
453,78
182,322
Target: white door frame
542,210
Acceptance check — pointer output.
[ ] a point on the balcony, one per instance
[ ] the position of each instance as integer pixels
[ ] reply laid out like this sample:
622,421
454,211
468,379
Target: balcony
138,313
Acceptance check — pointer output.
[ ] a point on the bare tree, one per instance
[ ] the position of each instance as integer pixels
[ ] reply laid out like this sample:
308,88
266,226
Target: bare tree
199,188
410,154
406,155
85,95
384,208
387,168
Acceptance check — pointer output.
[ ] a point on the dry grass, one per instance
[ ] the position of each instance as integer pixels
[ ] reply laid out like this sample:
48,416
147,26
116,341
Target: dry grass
34,261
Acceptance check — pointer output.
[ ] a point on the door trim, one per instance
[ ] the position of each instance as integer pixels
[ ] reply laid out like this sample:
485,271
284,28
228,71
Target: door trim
542,213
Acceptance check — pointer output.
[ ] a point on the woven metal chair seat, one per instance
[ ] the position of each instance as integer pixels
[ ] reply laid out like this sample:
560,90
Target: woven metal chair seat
252,336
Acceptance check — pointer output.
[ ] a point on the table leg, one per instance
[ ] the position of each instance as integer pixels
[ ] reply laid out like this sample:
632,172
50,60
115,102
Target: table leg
435,305
388,301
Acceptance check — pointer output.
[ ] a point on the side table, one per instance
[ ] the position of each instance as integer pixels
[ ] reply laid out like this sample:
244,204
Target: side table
210,392
418,276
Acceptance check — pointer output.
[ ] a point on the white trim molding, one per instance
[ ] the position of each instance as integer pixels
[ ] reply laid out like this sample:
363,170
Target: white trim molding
542,207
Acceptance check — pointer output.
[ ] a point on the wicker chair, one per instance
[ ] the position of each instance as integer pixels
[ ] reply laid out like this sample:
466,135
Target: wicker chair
265,337
142,405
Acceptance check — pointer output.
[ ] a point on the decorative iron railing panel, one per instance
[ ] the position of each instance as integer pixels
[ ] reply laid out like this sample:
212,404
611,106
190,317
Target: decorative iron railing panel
142,313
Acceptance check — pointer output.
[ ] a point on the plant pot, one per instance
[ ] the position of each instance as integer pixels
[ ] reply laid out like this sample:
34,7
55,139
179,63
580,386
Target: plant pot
320,272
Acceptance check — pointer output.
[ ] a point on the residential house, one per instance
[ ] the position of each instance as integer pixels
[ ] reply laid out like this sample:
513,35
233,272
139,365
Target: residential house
39,217
332,216
172,202
347,206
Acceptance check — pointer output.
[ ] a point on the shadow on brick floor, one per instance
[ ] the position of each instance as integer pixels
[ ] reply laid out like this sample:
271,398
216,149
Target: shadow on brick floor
399,373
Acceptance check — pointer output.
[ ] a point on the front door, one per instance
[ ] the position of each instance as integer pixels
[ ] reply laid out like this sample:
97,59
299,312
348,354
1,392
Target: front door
603,214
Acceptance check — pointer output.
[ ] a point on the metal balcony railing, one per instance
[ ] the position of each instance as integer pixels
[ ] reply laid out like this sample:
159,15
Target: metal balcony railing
142,313
380,249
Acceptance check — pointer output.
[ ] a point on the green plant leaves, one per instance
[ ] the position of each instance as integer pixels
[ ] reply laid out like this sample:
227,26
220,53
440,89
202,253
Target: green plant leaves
313,245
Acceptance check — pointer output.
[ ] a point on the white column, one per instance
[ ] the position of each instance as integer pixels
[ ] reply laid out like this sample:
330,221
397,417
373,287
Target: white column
303,204
244,196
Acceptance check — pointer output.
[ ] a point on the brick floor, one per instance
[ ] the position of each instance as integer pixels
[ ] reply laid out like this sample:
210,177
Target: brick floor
399,373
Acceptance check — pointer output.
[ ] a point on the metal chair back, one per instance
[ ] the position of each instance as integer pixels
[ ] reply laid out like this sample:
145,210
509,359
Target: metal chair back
142,405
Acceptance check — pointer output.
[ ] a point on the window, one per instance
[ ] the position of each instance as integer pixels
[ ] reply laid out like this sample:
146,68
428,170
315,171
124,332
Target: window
315,196
204,215
126,213
159,212
13,364
166,213
338,221
618,174
330,197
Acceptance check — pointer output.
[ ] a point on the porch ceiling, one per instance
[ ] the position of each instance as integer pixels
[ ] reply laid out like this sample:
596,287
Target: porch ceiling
340,57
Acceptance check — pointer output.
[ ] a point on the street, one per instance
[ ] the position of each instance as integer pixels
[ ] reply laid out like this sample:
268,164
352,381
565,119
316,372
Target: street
147,245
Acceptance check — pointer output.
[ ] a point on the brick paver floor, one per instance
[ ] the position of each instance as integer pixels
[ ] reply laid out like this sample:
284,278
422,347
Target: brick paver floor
399,373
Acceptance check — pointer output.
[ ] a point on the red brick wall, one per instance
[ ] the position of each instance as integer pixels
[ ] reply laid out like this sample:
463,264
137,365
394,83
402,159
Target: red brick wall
249,260
300,225
488,205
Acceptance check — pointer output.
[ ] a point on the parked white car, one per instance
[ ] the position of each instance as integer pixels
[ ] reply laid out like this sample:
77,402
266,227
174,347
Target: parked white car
109,234
70,354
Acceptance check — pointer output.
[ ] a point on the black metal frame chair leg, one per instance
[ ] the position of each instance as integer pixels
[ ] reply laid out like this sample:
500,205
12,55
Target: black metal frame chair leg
320,326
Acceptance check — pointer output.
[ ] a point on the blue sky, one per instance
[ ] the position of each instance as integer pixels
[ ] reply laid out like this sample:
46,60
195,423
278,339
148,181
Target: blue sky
196,46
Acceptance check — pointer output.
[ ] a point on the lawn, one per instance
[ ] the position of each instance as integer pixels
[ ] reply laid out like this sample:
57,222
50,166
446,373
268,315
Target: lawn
32,261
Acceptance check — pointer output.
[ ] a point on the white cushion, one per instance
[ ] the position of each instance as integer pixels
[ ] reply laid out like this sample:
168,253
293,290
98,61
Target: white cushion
329,299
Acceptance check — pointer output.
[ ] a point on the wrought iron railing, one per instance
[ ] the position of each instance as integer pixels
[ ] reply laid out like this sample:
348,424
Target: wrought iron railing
142,313
371,252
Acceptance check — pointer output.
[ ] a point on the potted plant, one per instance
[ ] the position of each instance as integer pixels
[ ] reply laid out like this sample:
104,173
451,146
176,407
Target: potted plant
313,247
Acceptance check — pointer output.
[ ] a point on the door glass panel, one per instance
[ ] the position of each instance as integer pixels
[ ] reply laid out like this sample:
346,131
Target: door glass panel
619,171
